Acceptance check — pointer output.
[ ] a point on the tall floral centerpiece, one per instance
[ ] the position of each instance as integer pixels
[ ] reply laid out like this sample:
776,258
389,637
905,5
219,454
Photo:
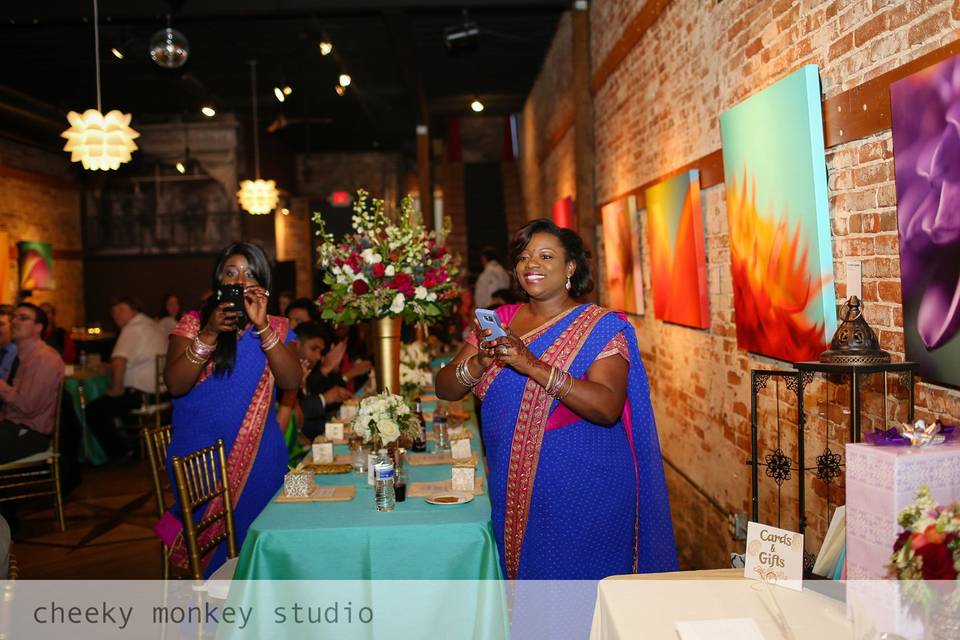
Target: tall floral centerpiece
385,272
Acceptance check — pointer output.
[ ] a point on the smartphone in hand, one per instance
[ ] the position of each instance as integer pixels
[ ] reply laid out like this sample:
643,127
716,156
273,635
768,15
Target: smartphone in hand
489,320
233,293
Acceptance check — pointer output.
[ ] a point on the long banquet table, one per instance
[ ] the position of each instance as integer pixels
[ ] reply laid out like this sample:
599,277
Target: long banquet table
445,556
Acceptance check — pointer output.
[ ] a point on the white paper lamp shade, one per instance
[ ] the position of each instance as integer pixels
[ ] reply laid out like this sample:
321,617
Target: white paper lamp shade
100,142
258,196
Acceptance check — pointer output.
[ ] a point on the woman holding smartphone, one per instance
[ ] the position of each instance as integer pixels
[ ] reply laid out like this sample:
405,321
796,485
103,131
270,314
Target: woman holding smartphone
576,478
222,363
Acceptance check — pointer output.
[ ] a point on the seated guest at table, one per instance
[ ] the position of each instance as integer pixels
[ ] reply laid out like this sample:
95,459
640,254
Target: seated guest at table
323,390
170,313
576,477
302,310
222,377
133,373
58,337
29,404
8,349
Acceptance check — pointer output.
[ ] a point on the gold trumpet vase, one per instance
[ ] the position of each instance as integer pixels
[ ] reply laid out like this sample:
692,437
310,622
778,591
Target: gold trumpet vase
386,353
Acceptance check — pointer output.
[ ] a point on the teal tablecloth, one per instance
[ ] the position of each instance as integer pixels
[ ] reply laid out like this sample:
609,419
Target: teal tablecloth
421,571
353,541
83,390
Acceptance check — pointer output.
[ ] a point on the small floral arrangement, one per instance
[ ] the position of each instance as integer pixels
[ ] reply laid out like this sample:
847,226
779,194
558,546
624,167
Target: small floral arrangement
929,546
384,417
386,267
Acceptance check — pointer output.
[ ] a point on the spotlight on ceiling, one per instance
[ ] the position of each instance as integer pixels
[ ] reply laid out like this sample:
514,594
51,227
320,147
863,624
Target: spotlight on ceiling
345,80
477,106
462,36
340,89
117,53
278,92
181,168
287,89
208,111
325,48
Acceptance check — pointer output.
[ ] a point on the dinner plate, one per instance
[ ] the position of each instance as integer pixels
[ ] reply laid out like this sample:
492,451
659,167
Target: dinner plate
449,497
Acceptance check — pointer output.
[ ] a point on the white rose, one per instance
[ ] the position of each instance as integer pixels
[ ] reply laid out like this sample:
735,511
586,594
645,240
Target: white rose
347,270
390,271
420,293
398,303
370,256
431,297
335,270
389,430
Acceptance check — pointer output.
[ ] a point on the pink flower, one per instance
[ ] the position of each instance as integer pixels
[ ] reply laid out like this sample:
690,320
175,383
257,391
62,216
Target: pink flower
378,270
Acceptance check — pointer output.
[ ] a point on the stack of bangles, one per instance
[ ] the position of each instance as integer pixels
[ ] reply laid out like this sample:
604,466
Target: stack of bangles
559,384
464,376
198,352
269,341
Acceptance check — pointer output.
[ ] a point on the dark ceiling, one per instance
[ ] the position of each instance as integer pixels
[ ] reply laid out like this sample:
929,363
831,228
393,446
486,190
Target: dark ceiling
394,51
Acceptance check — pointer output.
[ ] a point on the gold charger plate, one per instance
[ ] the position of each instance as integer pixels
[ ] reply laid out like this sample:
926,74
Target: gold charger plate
327,469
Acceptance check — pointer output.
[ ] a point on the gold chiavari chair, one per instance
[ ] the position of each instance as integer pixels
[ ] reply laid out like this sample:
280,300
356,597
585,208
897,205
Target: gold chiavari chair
201,477
158,441
39,474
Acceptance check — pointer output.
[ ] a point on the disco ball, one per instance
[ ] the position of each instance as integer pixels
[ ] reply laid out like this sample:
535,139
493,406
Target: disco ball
169,48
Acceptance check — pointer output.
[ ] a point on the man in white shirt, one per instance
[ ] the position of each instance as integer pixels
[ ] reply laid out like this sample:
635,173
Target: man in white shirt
493,278
132,372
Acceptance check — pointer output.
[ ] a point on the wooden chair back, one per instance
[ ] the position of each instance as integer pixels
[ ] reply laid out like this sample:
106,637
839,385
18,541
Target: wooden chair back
201,477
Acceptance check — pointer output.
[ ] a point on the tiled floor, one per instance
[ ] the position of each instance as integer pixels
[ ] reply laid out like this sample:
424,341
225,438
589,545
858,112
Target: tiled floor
109,534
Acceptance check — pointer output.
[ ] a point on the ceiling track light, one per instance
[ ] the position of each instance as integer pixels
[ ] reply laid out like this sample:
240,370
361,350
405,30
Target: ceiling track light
476,105
340,89
325,47
208,111
117,53
345,79
278,94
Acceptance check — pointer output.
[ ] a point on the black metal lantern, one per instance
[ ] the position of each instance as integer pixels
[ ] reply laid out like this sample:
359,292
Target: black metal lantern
855,342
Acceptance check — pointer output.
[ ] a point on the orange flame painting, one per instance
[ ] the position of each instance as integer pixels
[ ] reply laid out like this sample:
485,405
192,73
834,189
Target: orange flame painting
678,264
776,187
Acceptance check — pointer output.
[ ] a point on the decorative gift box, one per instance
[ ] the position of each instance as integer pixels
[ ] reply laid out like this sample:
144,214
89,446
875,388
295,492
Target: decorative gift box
463,475
460,447
322,450
881,482
297,484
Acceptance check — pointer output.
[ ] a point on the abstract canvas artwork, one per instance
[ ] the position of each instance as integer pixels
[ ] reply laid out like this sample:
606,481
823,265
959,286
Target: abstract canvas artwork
36,265
678,265
621,249
926,147
563,215
776,185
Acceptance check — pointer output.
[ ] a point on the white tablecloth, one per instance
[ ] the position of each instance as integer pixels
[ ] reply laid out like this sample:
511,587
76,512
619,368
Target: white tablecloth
648,606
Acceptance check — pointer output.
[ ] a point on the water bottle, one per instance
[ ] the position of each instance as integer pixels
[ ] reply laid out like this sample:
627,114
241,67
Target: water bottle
383,475
440,427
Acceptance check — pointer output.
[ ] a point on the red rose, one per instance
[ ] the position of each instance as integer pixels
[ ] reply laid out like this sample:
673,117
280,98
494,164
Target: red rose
937,562
360,287
378,270
403,283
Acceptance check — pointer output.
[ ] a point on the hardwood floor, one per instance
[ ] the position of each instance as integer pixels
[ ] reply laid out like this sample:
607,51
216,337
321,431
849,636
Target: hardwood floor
109,533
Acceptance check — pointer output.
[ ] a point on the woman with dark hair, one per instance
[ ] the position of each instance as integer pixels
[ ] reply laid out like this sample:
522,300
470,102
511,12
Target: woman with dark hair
170,313
576,477
221,376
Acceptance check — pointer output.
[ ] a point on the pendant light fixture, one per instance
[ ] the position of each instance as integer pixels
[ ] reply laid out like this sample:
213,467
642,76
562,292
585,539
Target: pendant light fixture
258,196
96,140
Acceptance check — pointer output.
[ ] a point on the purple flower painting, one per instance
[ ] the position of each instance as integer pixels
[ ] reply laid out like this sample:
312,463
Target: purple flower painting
926,144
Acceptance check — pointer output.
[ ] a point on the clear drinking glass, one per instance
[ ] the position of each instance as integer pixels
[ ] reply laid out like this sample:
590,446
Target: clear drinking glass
440,426
358,454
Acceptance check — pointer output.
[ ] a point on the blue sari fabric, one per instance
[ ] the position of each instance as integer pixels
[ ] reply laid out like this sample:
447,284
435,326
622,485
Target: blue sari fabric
216,408
587,519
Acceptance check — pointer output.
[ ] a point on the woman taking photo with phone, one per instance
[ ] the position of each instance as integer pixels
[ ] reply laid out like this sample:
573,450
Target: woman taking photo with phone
222,363
576,477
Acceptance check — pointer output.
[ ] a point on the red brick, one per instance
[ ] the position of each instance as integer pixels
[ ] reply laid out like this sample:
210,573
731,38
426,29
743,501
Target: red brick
753,48
929,28
887,245
855,222
871,222
870,29
876,150
955,10
860,247
841,46
870,175
891,341
889,291
904,13
869,291
887,197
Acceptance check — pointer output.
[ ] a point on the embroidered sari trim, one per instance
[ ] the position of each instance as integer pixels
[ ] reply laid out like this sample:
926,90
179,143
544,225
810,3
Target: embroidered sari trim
528,436
242,456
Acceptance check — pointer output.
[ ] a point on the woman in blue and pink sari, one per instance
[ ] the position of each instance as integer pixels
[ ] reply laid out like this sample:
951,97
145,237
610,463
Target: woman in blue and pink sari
221,368
576,477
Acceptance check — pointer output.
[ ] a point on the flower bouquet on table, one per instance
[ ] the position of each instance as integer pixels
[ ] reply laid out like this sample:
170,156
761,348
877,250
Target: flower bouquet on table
383,418
928,549
386,267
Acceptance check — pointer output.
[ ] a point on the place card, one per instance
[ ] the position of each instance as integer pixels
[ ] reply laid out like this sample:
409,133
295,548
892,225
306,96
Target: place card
460,447
427,489
774,556
322,452
334,430
463,478
348,410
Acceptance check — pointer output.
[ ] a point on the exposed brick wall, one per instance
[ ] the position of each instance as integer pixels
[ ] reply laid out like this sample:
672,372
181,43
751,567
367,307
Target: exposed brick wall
294,242
450,180
380,173
40,200
660,110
